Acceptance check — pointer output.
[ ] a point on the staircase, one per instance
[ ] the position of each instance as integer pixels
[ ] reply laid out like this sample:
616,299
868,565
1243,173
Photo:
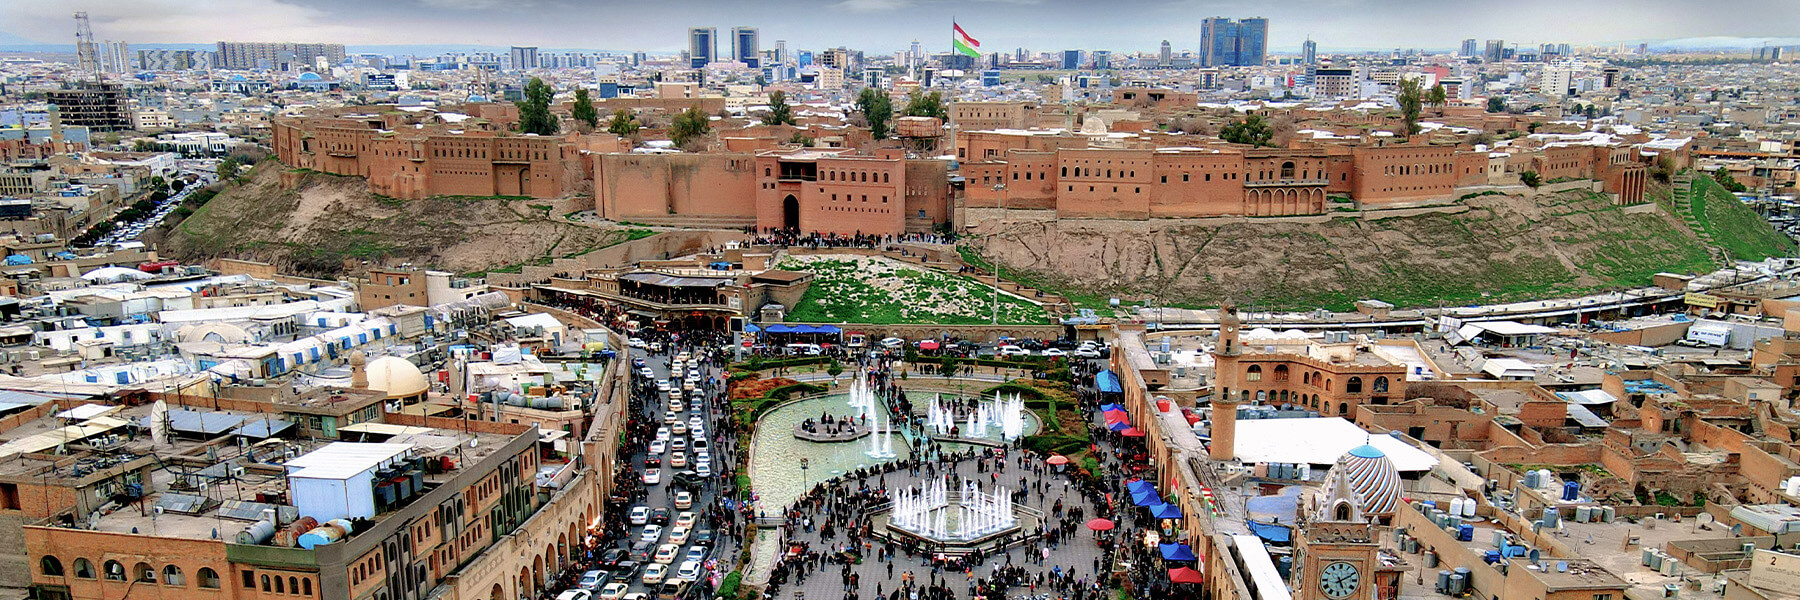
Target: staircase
1682,190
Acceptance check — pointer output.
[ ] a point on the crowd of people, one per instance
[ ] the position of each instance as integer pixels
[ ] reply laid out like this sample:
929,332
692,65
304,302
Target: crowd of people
789,238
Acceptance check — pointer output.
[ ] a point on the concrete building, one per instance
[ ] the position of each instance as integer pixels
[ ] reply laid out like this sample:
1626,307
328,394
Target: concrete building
1228,43
280,56
703,46
745,47
523,57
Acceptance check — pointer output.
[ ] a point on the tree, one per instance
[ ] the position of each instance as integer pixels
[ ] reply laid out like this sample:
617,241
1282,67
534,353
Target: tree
584,110
1437,98
228,168
801,139
920,104
534,110
622,123
834,369
947,365
1728,182
1531,178
1253,130
877,108
177,185
689,126
1496,104
780,113
1411,98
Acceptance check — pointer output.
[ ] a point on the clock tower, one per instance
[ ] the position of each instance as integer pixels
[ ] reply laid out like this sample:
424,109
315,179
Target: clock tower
1336,545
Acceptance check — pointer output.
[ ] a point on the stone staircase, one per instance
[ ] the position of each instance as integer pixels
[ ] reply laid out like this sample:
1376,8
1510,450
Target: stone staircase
1682,191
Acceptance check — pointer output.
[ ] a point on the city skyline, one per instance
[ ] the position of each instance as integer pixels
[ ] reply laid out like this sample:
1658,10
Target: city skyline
1336,25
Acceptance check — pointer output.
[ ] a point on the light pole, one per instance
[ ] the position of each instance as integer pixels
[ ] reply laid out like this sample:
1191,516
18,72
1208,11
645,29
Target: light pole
803,465
1000,190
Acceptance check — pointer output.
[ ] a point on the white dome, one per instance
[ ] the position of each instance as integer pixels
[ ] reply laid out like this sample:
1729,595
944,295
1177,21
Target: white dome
397,377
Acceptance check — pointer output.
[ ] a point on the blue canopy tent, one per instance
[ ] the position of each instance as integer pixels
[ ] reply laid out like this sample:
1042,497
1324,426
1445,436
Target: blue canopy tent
1119,426
1107,407
1145,498
1176,552
1271,532
1166,511
1108,382
1141,485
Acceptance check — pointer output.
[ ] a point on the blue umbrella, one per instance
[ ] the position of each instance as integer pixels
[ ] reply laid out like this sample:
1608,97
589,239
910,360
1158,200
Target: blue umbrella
1176,552
1140,485
1119,426
1107,407
1166,511
1145,498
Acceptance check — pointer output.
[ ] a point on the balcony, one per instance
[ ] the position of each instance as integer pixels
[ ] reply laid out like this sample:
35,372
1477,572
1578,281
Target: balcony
1285,183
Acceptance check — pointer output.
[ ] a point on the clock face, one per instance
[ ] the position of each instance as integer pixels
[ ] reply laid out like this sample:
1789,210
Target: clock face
1339,580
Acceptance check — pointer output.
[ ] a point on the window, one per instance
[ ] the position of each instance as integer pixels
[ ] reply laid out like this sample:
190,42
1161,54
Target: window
50,567
1381,385
265,582
1254,373
172,576
84,569
209,579
114,571
1353,385
306,586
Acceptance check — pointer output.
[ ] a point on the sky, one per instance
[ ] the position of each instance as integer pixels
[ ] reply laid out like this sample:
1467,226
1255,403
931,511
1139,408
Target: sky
882,26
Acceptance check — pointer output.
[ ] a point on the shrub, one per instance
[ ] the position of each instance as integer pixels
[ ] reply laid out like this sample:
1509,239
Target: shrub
1054,444
728,588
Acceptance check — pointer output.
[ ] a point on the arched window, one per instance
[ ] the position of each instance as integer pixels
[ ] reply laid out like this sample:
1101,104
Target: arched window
172,576
84,569
1381,385
279,588
1353,385
1262,396
209,579
1281,374
293,585
50,567
1342,511
1328,385
1306,378
1287,170
306,585
114,571
1343,408
144,572
265,583
1254,373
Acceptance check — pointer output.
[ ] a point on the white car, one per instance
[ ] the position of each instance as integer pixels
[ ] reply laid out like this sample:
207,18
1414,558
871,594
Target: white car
659,446
1054,352
665,553
892,343
654,573
1086,353
640,515
663,386
662,433
679,535
650,534
688,570
685,519
678,460
684,500
1010,350
575,595
652,476
703,468
695,422
679,429
646,372
680,444
614,591
637,343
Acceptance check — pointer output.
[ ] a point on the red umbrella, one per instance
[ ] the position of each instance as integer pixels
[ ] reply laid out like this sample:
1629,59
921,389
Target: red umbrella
1057,459
1133,432
1185,575
1099,524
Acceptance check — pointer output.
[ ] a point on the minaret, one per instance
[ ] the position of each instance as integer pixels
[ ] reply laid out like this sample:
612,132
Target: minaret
1225,393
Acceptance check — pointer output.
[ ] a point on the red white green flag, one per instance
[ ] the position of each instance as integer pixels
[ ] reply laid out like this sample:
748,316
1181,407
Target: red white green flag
964,44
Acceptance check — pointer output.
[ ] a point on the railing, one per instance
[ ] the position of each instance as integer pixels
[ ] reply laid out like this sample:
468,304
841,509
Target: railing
1286,182
660,305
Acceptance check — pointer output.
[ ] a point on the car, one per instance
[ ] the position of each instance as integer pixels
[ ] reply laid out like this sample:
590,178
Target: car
675,400
1086,353
702,536
659,446
612,556
652,476
1054,352
688,570
678,444
892,343
687,386
699,444
627,569
675,367
683,357
679,535
662,433
662,386
637,343
646,373
665,553
684,500
679,428
660,516
678,460
696,432
637,596
575,595
672,589
654,573
640,550
696,405
695,422
640,515
685,519
638,362
651,533
1010,350
670,418
651,462
593,580
704,469
656,346
687,480
614,591
696,553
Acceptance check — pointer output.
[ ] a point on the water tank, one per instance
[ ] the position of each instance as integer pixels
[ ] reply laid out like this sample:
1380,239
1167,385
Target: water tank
1583,514
1456,505
1571,491
1792,486
1466,533
287,538
1443,582
417,480
1645,556
321,535
256,534
1551,518
1532,479
343,524
1670,566
1430,559
1457,582
1306,471
385,495
1499,538
1468,508
1545,477
1491,557
1606,514
1656,561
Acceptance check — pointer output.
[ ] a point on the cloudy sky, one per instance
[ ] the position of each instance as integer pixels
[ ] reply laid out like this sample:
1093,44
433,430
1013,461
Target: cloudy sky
888,25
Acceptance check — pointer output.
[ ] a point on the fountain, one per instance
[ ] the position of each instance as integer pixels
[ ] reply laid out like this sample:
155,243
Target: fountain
970,515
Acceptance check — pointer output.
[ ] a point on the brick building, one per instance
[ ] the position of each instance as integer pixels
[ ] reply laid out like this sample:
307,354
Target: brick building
404,158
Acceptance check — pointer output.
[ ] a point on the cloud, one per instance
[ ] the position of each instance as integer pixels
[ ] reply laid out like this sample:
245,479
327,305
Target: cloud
868,6
474,4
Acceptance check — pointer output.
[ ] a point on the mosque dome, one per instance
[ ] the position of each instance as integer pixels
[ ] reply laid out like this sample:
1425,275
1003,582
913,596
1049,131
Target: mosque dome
1367,479
397,377
309,77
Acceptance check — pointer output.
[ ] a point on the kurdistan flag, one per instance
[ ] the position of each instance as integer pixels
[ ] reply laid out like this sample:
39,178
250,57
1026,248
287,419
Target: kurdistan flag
962,43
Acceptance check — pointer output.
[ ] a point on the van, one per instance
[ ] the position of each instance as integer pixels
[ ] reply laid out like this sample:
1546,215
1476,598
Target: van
804,349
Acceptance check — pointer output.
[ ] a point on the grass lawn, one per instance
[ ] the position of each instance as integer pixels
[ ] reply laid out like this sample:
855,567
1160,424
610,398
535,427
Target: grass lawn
861,289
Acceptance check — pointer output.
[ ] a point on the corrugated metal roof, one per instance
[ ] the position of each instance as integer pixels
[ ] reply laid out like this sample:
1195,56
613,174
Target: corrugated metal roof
674,281
264,428
202,422
343,460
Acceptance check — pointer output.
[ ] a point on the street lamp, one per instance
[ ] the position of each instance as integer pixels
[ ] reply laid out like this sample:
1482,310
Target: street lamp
803,464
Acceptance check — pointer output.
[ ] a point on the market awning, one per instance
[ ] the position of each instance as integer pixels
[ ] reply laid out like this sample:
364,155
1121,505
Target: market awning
1108,382
1274,533
1166,511
659,279
1176,551
1145,498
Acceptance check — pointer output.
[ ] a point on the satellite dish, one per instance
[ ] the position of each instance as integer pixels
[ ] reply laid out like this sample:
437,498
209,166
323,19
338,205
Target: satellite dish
1705,519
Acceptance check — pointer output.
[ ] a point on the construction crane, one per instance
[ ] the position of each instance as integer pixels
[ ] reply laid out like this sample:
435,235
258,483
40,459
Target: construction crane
87,55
